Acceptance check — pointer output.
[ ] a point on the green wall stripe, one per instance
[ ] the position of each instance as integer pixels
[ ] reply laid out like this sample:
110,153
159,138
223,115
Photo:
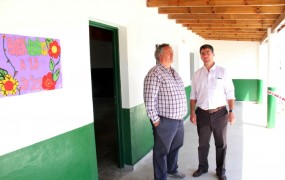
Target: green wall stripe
271,109
126,137
188,91
69,156
259,91
138,135
248,89
138,138
141,133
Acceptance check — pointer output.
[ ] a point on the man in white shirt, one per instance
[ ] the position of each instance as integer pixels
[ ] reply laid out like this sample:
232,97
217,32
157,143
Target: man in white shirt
211,90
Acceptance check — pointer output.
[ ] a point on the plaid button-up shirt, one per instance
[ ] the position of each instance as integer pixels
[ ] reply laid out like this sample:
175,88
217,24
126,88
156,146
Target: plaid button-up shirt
164,94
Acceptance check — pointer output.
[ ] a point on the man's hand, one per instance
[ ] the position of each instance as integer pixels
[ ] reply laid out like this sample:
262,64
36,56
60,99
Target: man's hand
156,123
232,118
193,118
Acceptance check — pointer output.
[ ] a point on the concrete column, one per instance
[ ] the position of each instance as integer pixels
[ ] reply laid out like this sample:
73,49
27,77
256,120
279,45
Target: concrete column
272,77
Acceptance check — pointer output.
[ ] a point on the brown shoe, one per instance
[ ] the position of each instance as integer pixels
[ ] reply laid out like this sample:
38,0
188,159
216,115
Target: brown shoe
222,177
198,173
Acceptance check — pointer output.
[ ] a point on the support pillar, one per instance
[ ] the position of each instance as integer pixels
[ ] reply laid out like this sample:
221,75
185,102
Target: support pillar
272,78
271,109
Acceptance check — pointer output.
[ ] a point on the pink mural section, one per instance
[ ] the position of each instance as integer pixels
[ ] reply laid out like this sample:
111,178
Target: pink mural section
29,64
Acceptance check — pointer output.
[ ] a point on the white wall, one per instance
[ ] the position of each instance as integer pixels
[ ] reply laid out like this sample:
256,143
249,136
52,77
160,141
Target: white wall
239,57
34,117
141,28
30,118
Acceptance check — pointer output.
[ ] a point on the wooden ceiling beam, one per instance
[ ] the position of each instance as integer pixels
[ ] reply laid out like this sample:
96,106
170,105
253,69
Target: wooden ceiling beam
222,10
224,16
234,19
255,26
281,27
227,29
230,34
233,39
207,21
279,22
176,3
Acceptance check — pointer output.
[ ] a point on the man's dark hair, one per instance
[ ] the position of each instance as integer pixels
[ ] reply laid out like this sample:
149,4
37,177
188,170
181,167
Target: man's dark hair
207,46
159,49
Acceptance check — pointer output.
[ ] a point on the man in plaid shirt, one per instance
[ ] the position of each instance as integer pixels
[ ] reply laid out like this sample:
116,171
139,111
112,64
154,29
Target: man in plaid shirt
165,101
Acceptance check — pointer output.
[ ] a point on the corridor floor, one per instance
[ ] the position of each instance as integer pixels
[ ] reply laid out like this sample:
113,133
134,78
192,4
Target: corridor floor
254,151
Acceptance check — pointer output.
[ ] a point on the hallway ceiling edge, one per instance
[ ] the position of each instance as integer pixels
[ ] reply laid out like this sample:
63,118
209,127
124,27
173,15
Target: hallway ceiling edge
234,20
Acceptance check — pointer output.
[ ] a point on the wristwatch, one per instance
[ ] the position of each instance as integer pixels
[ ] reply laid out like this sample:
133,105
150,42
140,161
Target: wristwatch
230,110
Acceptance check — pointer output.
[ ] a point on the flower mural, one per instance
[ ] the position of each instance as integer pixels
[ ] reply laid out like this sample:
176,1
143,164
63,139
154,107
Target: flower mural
49,80
54,49
28,64
8,85
48,83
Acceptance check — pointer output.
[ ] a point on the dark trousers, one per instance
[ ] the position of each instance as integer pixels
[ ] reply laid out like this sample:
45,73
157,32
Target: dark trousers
216,123
168,138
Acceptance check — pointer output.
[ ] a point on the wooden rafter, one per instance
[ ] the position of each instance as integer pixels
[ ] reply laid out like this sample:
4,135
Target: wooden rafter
222,10
198,3
225,19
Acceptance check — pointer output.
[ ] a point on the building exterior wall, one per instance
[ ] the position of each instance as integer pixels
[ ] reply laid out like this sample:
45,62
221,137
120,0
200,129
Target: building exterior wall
33,127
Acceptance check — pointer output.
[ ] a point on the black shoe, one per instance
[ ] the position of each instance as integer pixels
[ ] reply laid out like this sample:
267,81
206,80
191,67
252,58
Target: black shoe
222,177
198,173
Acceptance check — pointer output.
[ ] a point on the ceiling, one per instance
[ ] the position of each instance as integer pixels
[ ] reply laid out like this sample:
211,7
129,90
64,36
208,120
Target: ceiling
235,20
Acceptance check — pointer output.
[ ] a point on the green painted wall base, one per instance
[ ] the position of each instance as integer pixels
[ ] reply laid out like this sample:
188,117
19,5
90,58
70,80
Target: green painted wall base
69,156
271,109
138,135
248,90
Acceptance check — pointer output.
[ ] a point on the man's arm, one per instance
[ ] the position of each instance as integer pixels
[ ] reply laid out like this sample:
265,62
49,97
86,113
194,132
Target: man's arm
192,111
151,86
231,111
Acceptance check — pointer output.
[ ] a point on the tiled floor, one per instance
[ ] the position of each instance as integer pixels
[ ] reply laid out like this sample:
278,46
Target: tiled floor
254,151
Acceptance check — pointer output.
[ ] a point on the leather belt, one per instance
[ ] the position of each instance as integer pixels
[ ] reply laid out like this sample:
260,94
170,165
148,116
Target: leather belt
213,110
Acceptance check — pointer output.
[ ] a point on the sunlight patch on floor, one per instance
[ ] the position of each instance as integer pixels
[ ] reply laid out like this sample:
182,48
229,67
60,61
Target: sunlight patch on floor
263,147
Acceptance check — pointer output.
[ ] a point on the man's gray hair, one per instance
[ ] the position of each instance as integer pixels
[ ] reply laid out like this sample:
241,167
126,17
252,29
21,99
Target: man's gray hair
159,50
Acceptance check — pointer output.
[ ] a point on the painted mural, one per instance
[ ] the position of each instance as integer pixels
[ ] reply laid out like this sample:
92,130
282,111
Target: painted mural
28,64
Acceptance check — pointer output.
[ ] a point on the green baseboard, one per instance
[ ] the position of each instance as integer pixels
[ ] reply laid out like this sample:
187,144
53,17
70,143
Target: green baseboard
69,156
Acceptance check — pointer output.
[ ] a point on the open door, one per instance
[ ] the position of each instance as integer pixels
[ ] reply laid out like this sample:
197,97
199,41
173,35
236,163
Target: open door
106,90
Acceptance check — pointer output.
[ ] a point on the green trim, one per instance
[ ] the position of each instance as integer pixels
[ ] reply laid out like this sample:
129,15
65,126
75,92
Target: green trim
248,89
188,91
138,136
117,93
70,156
259,91
271,109
127,146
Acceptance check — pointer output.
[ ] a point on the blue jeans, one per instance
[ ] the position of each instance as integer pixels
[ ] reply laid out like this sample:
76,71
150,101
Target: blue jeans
168,138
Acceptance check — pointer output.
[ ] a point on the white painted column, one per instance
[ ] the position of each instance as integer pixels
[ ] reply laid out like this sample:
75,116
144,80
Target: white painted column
272,77
272,58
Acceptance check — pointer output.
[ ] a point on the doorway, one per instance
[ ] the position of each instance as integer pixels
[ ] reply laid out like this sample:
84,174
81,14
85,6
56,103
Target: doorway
106,95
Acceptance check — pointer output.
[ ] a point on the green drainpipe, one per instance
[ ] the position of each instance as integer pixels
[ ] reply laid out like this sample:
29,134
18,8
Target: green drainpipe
271,108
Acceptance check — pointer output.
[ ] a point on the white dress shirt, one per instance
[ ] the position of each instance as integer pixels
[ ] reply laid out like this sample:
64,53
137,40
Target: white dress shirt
211,89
